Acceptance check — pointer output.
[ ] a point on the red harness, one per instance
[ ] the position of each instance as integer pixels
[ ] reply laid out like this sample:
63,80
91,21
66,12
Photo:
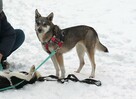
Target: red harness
54,40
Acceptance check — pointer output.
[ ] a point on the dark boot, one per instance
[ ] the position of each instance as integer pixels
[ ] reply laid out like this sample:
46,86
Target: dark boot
5,64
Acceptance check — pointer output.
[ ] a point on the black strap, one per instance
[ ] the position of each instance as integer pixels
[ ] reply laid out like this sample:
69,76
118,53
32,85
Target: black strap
91,81
72,77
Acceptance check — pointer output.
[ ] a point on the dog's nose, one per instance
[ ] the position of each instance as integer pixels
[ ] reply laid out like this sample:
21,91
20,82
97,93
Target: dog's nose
39,30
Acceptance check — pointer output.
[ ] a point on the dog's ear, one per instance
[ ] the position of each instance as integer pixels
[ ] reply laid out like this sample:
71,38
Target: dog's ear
37,14
56,28
50,16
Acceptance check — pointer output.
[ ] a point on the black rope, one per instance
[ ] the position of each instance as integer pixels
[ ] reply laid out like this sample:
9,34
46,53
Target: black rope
73,78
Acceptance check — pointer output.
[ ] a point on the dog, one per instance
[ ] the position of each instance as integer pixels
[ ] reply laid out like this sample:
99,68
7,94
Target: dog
19,79
85,38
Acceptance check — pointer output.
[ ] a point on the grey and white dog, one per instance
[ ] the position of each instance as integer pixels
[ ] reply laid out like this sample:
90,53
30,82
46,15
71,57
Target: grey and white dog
85,39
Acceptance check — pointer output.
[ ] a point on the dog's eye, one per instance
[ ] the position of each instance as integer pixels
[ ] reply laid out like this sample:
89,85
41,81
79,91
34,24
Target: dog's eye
44,24
37,22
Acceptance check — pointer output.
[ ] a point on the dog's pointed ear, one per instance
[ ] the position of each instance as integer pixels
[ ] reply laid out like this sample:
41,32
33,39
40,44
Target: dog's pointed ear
50,16
37,14
56,28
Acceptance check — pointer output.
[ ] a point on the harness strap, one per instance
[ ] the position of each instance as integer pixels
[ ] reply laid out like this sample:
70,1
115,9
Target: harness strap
47,48
72,77
58,42
54,40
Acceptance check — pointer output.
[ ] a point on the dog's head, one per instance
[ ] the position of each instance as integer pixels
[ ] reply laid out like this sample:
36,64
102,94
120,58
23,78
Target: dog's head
43,25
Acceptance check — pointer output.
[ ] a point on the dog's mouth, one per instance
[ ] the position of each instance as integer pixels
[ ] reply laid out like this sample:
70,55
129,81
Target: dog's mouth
42,28
46,29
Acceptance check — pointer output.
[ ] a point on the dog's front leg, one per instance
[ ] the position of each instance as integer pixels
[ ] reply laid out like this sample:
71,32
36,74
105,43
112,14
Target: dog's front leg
54,60
59,58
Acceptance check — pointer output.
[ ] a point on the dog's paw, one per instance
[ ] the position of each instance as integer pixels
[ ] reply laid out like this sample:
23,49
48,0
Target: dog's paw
77,71
92,76
62,76
32,69
57,74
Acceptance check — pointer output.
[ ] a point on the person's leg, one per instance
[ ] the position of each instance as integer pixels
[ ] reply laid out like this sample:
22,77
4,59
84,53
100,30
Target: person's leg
20,37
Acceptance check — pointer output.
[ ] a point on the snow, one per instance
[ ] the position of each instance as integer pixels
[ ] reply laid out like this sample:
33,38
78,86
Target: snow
115,22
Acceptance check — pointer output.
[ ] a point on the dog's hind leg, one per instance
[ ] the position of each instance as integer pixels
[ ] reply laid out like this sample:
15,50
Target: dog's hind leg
91,53
59,58
54,60
90,44
80,52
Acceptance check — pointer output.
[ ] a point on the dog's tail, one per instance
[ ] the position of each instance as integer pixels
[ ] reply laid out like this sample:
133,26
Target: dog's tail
101,47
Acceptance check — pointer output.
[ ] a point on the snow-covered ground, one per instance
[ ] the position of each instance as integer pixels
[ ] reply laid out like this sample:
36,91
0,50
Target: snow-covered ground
115,22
